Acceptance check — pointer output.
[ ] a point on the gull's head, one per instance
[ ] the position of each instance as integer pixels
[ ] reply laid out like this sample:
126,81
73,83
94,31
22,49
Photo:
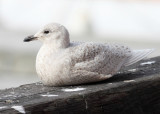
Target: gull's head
53,33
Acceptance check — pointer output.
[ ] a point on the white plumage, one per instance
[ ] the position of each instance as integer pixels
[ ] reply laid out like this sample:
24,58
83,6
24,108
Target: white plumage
61,62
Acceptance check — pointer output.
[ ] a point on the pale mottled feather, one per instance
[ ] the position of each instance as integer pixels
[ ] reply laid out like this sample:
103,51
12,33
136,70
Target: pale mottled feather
60,62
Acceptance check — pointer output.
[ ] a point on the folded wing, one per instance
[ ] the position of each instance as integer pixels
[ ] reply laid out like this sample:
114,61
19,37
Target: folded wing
101,58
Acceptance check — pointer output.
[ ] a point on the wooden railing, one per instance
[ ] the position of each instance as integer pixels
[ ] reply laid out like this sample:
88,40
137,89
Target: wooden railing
134,90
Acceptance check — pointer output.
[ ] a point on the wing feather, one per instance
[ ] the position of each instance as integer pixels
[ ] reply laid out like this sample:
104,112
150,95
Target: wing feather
101,58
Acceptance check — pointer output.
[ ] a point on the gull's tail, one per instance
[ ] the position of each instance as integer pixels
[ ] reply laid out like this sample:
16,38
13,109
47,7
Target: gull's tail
138,55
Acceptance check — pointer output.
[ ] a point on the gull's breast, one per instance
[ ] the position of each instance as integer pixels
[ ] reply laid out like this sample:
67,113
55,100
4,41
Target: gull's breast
53,68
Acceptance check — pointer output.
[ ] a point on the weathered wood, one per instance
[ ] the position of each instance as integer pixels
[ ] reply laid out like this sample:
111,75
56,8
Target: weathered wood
135,90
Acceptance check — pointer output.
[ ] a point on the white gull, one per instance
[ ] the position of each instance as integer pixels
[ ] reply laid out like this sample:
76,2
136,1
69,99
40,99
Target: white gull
61,62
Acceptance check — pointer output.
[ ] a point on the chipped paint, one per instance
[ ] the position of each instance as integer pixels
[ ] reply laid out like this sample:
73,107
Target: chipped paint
74,89
132,70
3,107
19,109
49,95
147,63
9,96
129,81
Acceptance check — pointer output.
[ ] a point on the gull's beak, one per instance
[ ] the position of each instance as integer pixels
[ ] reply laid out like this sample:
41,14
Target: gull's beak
30,38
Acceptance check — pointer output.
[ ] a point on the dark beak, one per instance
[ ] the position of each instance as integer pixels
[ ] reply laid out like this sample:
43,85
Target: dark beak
30,38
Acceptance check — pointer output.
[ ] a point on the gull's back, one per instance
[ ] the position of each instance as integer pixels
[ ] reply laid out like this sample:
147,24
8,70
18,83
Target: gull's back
96,57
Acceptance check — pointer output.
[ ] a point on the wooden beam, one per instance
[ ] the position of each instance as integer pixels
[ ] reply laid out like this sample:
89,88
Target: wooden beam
134,90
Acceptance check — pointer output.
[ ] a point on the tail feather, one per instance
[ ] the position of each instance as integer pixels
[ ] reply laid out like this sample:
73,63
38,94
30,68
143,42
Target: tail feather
138,55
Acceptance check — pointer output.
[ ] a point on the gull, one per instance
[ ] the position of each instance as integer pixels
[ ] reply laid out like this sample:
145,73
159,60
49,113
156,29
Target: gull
60,62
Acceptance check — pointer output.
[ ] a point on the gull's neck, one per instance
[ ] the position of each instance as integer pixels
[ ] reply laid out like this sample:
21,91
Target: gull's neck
56,45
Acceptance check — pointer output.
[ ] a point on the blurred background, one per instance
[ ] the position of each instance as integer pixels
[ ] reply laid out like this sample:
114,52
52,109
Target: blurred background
135,23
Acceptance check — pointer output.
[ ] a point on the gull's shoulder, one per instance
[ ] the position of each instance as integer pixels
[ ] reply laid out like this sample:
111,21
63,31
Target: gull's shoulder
75,43
94,46
97,44
83,44
87,47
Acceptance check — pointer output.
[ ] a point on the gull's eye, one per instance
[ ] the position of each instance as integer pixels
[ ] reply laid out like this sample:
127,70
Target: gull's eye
46,31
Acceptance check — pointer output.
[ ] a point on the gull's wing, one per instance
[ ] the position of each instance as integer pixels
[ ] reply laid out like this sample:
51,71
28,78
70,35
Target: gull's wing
138,55
101,58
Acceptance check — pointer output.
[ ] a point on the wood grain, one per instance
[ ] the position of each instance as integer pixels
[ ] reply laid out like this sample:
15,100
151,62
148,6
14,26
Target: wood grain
134,90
